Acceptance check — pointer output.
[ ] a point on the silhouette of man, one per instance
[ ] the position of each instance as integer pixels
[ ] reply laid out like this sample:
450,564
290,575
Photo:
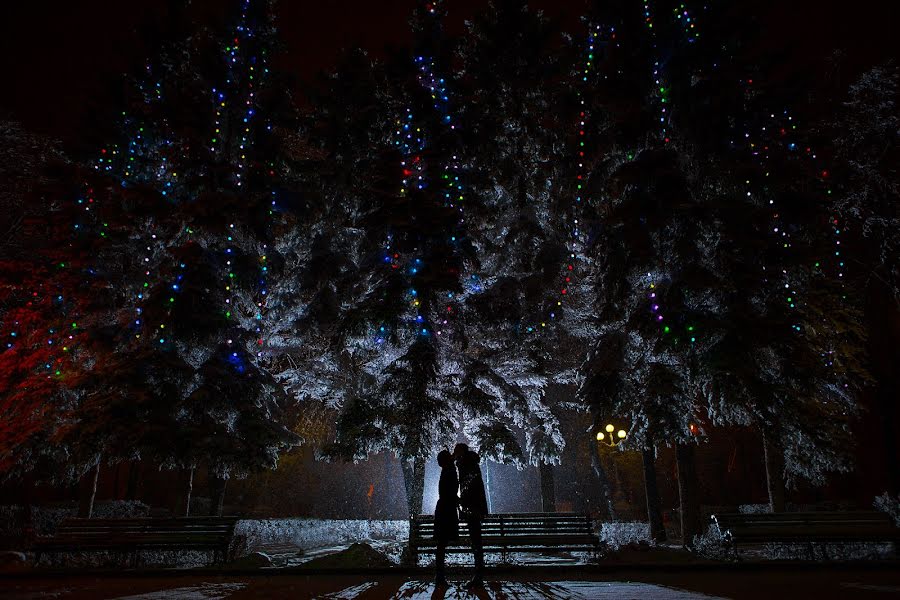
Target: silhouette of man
446,521
472,503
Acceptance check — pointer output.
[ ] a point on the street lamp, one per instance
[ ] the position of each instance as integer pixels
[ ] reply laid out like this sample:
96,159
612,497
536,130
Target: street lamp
609,439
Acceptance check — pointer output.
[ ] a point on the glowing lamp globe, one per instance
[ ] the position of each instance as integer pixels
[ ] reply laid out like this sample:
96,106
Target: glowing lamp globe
609,428
599,436
621,434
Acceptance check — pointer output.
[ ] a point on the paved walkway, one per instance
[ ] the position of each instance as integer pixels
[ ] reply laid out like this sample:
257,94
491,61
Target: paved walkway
820,584
537,590
409,590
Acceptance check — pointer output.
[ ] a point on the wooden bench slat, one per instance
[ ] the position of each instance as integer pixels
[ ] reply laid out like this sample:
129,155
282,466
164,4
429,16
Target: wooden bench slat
509,540
127,532
519,532
514,532
516,518
132,540
777,518
559,515
518,526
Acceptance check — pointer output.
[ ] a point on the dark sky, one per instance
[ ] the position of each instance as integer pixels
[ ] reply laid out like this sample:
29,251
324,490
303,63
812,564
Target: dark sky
60,59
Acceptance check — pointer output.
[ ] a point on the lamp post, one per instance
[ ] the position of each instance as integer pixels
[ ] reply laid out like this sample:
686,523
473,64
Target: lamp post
608,439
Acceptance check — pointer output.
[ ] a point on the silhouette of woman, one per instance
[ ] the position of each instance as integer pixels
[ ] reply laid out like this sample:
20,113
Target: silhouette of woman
446,519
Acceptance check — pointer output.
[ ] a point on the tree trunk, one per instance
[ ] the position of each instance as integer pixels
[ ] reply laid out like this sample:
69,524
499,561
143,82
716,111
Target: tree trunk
134,478
688,496
188,492
548,489
654,511
774,473
607,512
884,329
414,480
183,503
887,403
487,486
88,491
216,493
28,512
116,478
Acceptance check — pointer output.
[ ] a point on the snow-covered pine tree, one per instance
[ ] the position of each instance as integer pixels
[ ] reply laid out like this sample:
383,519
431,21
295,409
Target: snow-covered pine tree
45,304
398,293
340,163
653,214
865,132
196,171
788,306
511,61
784,301
726,319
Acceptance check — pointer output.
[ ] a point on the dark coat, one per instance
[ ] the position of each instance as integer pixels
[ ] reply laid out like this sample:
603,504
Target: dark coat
472,499
446,519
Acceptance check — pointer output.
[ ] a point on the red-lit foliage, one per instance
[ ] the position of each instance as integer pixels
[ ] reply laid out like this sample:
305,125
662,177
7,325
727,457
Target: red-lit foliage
46,299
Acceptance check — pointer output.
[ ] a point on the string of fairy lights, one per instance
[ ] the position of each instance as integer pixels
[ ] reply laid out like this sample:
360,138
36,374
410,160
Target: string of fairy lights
581,174
246,69
782,128
452,186
779,131
61,338
688,22
145,161
837,260
411,142
661,92
760,146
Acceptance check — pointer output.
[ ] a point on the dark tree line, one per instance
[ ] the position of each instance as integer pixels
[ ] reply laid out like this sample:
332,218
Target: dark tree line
441,235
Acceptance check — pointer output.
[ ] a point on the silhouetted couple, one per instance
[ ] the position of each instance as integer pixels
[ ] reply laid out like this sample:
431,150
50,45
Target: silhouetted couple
460,496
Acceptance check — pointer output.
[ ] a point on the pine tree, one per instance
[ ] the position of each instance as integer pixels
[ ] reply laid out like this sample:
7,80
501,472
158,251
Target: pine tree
48,301
863,132
195,172
398,285
652,254
787,302
510,65
682,209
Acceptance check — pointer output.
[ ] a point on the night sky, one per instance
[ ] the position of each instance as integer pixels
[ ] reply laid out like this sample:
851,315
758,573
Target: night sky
61,60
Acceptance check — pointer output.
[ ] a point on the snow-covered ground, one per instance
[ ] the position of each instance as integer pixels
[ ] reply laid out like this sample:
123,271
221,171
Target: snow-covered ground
318,533
529,590
294,541
420,590
827,583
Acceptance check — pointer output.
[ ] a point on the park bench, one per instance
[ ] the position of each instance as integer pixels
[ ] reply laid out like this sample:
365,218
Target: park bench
127,537
513,532
808,528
